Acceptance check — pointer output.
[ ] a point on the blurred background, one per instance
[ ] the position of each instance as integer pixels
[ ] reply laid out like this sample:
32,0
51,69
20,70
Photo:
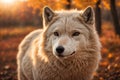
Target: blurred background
19,17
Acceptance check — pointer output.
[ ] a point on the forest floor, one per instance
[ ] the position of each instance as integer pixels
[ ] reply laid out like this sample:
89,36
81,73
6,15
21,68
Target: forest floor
10,38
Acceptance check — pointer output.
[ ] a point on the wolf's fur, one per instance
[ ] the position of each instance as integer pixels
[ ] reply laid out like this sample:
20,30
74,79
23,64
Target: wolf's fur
37,57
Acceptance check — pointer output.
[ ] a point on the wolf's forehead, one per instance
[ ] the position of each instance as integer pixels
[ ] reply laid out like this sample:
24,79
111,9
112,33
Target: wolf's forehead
69,19
69,16
67,23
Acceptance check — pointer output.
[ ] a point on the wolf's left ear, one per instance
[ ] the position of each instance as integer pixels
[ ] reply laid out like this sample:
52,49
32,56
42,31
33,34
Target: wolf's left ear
88,15
48,15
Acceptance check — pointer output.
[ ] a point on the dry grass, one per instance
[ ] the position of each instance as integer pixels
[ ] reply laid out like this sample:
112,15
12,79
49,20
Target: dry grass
9,41
14,31
110,64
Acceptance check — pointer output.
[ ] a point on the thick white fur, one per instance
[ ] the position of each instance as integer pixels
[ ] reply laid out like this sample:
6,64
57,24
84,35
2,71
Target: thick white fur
37,58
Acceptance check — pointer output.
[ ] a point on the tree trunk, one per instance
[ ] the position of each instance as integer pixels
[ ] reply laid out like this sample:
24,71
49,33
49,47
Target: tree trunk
69,5
98,17
115,16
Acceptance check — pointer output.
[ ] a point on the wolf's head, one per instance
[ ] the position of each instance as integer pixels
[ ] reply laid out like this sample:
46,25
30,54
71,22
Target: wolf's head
69,32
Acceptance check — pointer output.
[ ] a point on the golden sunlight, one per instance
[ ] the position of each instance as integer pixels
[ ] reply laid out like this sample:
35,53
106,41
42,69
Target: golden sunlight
8,1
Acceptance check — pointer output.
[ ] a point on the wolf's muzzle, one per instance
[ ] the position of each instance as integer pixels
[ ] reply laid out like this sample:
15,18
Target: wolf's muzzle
60,50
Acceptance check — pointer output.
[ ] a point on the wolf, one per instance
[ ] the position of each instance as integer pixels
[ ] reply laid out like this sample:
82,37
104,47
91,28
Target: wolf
67,48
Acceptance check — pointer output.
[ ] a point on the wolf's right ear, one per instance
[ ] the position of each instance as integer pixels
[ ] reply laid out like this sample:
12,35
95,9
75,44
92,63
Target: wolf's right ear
48,15
88,15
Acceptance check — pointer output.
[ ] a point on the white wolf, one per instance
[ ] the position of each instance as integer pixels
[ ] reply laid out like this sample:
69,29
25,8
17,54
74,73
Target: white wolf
68,47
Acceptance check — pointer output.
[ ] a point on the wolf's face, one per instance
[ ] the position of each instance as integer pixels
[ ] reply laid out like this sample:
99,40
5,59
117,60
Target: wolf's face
68,36
66,32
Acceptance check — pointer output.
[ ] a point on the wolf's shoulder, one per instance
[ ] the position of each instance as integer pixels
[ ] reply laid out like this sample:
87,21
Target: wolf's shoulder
30,37
26,42
33,34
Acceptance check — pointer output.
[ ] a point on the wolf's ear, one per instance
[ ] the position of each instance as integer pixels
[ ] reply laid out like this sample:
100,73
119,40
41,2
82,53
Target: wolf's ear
48,15
88,15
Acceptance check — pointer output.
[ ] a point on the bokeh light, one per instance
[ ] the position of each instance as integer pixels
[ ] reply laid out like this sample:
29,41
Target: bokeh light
7,1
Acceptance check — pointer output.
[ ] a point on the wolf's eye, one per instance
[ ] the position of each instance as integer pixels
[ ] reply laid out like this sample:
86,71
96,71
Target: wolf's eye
56,33
76,34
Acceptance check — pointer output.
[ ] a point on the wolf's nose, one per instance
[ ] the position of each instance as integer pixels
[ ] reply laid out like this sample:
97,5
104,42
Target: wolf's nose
60,49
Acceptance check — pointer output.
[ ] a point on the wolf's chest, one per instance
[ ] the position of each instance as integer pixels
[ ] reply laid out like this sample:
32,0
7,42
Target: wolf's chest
53,72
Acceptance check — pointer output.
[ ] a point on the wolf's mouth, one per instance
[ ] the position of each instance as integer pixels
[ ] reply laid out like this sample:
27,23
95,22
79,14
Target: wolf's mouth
73,53
65,56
